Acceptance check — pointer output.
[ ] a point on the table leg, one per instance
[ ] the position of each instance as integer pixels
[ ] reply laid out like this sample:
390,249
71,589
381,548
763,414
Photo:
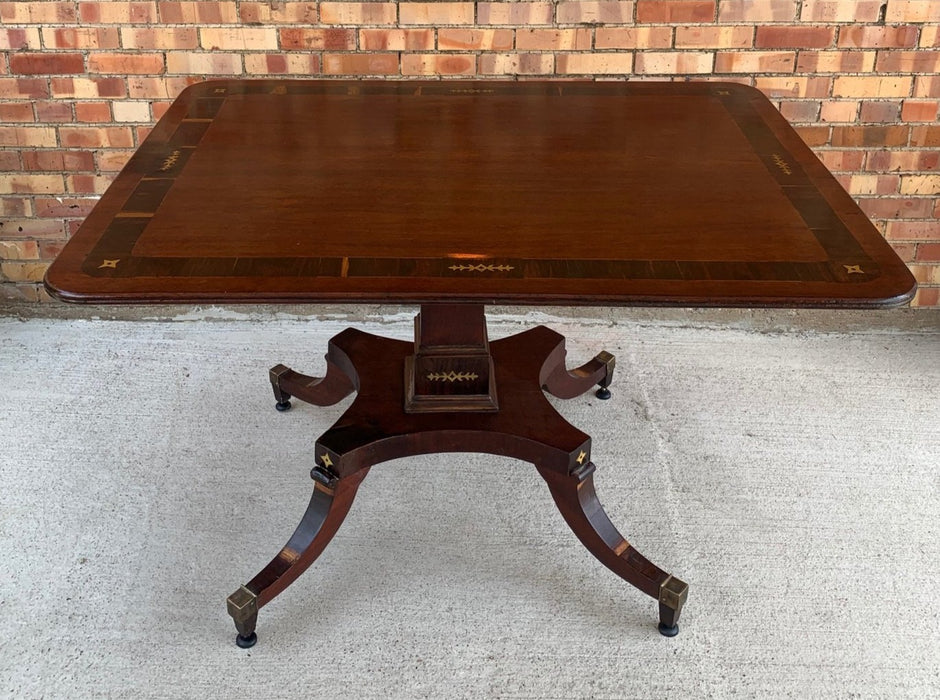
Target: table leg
576,499
331,500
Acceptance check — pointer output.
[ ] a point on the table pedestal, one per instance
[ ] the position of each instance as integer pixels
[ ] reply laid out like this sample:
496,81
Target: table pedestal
450,391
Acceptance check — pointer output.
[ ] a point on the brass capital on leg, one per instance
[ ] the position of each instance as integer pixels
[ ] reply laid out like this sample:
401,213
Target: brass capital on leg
672,596
243,607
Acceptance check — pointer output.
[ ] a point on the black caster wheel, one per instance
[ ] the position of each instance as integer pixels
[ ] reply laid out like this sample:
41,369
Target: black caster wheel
282,406
668,631
603,393
246,642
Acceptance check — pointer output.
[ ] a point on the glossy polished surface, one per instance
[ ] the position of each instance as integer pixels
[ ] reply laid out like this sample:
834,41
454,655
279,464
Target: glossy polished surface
501,192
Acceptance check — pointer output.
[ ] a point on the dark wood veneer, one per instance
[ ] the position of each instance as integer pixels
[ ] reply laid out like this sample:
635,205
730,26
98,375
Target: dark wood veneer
500,192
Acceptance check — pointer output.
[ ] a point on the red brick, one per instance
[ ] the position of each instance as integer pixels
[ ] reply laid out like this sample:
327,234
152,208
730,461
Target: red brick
869,184
358,13
908,61
594,63
37,12
928,252
162,38
896,160
793,37
876,37
87,184
96,137
926,297
118,12
19,39
16,112
126,63
58,160
81,37
88,87
360,64
48,111
912,11
925,136
111,160
10,161
589,12
871,86
436,64
754,61
673,11
839,111
93,112
733,37
474,39
835,62
919,110
880,112
926,86
842,161
34,88
278,12
800,110
293,63
18,250
633,38
161,108
840,11
553,39
517,13
913,230
27,136
870,135
403,39
47,64
435,13
64,207
331,39
19,183
737,11
15,206
200,12
673,62
896,208
813,135
793,86
517,64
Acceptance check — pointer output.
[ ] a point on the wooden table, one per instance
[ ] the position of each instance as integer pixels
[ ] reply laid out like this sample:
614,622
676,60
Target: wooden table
453,195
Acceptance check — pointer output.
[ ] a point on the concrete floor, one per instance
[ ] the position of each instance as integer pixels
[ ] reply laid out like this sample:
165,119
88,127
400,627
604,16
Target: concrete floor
784,464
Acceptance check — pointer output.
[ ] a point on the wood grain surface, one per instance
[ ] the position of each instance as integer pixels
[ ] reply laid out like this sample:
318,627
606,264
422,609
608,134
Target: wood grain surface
492,192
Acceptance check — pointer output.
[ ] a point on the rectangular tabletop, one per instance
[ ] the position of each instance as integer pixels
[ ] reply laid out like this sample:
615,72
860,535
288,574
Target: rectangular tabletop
497,192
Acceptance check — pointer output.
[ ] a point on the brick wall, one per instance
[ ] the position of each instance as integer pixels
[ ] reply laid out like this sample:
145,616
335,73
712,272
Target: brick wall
81,83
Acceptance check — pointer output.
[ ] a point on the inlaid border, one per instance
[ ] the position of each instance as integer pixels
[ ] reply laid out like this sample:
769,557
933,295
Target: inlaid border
113,255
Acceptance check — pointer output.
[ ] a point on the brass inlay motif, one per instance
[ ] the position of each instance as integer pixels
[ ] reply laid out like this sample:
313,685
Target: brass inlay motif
279,90
471,91
220,91
451,376
581,457
481,268
854,269
722,92
109,263
327,461
170,161
782,164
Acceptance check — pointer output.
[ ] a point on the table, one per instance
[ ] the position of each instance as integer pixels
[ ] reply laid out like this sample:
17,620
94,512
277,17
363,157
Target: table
450,196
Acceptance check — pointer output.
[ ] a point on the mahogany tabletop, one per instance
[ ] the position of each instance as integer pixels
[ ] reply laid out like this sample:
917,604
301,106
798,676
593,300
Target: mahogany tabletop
615,193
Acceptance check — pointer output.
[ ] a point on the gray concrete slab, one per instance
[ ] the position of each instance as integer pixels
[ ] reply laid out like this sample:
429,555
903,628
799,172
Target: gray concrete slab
784,464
